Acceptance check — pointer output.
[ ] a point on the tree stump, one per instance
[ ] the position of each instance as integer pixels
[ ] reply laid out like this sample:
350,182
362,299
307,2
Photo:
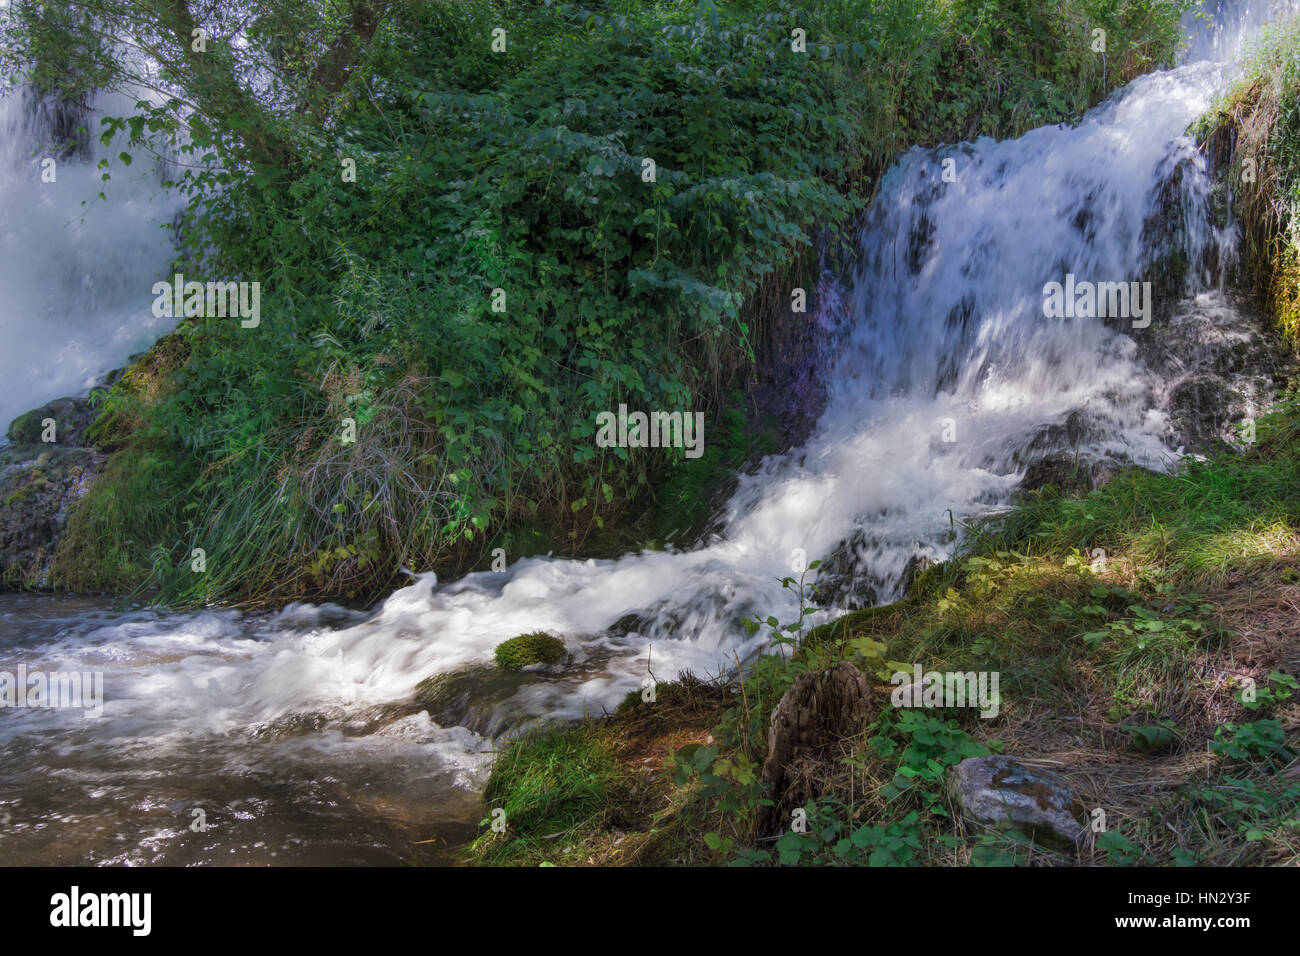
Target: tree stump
813,716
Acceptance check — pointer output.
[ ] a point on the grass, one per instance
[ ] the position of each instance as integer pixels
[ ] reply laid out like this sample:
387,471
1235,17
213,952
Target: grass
1126,675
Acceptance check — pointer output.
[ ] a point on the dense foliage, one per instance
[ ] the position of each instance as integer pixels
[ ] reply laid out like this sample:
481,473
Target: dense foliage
1254,132
467,253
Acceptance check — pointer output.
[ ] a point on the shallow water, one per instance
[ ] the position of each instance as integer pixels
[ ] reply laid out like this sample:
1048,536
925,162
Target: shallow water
280,727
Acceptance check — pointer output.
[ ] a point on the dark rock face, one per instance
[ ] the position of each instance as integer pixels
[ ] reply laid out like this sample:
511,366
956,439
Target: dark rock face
1003,793
1201,407
843,579
1062,472
1223,369
814,715
39,482
799,348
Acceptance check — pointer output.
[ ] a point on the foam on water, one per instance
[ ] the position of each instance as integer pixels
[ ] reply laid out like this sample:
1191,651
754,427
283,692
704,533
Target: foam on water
944,338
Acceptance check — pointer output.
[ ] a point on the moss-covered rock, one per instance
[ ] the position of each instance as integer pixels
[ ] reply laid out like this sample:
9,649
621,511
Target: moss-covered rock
38,486
70,418
526,649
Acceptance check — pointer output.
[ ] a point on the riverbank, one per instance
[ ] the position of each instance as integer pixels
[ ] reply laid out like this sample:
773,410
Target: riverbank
1144,629
1156,678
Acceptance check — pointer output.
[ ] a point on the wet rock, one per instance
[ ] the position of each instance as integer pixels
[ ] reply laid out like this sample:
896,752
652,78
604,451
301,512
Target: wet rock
1003,793
1202,408
466,697
1075,429
842,577
1063,472
630,624
38,486
71,418
819,710
41,480
470,697
916,564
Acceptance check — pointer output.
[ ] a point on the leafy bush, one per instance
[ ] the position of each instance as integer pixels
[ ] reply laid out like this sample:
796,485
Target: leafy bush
524,171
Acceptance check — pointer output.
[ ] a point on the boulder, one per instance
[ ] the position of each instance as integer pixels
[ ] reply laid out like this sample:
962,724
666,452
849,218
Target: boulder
842,578
38,486
71,417
1003,793
1064,472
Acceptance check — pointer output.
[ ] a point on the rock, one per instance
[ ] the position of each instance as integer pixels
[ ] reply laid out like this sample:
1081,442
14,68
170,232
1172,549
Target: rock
38,486
842,580
469,697
1202,408
71,416
819,710
1001,792
916,565
630,624
1063,471
1075,429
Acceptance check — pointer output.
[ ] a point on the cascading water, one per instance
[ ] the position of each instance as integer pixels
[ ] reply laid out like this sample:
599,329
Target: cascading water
289,730
74,269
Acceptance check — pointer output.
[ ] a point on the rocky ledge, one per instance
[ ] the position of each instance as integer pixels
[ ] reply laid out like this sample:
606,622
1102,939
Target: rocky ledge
45,467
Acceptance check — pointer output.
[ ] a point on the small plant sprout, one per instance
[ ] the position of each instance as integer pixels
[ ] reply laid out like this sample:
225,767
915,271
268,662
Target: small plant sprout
787,635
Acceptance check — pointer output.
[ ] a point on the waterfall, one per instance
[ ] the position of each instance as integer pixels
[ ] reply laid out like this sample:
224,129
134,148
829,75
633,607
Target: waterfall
75,270
950,378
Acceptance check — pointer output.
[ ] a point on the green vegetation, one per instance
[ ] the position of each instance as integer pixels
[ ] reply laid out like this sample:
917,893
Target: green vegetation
1159,672
527,171
548,784
1254,137
537,648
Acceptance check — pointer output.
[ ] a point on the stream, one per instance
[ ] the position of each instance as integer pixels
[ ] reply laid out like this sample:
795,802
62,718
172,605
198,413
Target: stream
288,737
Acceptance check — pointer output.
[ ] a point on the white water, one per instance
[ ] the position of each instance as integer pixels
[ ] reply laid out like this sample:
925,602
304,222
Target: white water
943,332
75,270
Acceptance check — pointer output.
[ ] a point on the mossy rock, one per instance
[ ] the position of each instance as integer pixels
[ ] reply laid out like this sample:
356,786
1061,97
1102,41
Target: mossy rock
71,417
37,493
537,648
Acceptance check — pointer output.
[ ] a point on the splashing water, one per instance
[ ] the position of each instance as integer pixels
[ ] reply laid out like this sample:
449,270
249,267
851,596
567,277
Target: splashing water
75,270
949,379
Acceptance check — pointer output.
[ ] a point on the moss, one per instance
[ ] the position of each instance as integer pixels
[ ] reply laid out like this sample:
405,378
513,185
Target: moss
547,784
537,648
27,492
26,428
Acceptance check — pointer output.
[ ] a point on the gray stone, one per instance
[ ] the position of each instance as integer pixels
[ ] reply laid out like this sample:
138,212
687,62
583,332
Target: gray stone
39,484
1003,793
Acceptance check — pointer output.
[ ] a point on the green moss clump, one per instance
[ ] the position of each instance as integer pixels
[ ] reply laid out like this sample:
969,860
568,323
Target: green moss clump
536,648
26,428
